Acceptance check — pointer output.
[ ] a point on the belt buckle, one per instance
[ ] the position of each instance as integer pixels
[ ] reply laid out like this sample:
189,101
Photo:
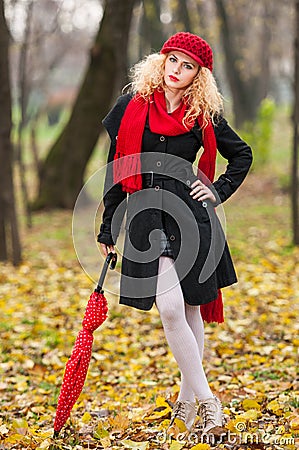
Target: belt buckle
152,179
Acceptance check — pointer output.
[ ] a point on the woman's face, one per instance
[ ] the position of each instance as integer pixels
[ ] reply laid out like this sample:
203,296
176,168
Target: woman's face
180,70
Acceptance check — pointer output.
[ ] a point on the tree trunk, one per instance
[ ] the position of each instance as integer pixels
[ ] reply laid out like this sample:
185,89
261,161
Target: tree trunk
294,175
151,32
183,19
238,90
22,106
247,92
63,170
10,248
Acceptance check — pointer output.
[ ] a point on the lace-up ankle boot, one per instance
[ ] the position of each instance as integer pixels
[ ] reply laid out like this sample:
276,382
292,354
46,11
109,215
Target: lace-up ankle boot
212,416
184,411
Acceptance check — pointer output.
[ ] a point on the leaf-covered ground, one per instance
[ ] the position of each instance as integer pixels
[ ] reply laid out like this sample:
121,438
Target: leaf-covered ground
251,360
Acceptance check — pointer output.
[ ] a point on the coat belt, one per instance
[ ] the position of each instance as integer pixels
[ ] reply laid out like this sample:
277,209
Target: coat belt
150,178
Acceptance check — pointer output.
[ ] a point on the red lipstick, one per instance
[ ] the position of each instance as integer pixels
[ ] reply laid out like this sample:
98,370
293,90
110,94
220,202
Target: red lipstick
173,78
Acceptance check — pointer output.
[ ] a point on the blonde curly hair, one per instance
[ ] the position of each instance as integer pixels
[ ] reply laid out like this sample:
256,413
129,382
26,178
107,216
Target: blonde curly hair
202,95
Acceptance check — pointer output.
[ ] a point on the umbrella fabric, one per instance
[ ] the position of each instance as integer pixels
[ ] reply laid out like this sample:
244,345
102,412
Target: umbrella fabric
77,365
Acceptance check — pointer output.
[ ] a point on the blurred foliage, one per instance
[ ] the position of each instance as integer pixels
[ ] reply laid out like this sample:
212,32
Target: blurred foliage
259,134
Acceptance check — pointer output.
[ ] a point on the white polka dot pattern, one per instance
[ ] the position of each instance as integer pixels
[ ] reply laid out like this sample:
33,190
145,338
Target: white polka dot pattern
77,365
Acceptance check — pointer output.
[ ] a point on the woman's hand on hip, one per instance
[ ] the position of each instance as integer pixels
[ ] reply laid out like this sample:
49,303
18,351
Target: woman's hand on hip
201,192
107,249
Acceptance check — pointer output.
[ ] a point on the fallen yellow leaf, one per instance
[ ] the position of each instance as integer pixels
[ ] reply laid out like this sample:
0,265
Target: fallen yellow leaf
250,404
294,424
135,445
275,408
201,447
86,418
175,445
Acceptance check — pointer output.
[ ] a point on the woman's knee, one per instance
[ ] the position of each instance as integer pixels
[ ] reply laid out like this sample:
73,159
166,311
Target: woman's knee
170,314
193,313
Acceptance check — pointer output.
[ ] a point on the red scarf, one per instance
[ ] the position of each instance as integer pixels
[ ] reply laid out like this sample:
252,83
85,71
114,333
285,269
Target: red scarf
129,142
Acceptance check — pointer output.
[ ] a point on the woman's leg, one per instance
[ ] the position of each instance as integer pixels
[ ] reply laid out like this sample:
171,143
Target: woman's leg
195,322
179,335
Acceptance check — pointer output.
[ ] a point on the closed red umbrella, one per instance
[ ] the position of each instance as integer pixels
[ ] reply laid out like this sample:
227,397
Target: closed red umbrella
77,365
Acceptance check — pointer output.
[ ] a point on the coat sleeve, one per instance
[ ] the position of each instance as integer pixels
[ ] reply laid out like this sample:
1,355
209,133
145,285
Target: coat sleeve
239,157
114,196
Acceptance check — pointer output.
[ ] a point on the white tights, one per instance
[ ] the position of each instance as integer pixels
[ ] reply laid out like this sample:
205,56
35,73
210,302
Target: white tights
184,331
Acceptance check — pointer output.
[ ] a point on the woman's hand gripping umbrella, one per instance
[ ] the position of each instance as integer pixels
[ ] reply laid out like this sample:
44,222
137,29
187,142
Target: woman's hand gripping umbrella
77,365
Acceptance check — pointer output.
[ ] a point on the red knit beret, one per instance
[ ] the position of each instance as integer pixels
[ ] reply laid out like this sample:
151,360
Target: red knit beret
193,46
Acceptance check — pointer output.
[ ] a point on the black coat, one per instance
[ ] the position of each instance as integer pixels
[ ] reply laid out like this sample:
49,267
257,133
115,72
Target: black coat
201,255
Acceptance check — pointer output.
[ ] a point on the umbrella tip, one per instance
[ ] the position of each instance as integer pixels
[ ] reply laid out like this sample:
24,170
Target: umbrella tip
56,434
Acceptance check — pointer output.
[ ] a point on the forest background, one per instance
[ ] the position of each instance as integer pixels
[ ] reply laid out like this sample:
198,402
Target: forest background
62,65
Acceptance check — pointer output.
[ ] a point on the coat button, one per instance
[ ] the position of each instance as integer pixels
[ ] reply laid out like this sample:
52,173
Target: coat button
157,188
188,182
162,138
172,237
159,163
204,204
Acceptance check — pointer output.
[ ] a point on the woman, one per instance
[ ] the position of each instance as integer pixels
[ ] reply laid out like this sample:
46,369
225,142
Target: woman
175,253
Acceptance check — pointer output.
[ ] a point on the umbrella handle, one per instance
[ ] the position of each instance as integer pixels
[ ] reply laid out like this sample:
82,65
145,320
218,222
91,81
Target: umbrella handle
110,257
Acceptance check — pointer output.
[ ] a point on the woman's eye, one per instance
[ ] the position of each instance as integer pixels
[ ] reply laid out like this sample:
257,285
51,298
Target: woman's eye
172,59
188,66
